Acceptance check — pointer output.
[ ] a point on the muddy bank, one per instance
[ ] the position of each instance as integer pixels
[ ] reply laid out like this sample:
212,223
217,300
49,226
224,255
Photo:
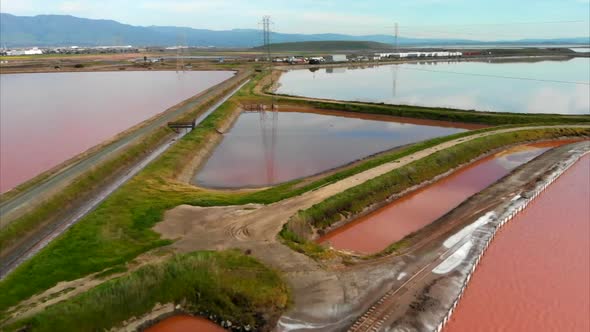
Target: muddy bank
430,295
385,118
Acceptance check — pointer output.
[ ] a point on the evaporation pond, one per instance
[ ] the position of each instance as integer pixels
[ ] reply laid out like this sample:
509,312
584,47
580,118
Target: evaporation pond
49,118
531,86
269,148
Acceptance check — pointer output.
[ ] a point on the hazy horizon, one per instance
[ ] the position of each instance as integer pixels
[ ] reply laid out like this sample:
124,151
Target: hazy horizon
437,19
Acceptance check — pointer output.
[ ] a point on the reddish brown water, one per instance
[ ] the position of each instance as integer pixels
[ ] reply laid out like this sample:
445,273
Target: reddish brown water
47,119
185,323
375,231
261,150
536,274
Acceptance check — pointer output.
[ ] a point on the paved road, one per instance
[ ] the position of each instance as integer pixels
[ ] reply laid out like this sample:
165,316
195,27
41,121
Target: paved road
46,235
71,172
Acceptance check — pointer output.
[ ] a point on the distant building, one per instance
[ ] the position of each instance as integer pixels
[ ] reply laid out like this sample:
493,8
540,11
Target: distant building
32,51
337,58
444,54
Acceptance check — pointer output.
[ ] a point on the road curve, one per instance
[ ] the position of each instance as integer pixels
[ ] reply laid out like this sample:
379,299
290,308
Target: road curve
320,295
27,250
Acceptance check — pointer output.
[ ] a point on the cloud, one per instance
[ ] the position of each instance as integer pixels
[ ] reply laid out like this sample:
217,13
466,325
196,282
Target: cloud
72,7
179,6
343,18
17,6
356,24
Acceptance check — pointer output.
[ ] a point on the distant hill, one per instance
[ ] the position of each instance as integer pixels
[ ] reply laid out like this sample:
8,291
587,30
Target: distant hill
328,46
65,30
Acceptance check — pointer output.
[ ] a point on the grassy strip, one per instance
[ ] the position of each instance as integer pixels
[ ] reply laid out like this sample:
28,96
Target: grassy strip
86,183
354,200
442,114
120,228
227,284
89,181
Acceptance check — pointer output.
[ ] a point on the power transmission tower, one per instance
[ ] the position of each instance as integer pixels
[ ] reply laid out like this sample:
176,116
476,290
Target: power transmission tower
269,134
266,22
179,57
266,37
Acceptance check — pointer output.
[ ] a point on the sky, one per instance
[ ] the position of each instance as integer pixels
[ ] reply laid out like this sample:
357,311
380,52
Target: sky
469,19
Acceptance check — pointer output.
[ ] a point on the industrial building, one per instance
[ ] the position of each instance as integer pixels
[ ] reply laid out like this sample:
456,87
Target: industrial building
444,54
337,58
32,51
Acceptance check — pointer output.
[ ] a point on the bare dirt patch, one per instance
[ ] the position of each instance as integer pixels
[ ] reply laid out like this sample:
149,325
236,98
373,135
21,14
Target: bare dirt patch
325,298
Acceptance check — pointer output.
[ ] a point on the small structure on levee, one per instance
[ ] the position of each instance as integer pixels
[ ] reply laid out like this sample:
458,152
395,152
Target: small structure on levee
177,126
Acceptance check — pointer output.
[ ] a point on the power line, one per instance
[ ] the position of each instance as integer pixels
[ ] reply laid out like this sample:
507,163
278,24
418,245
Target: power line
494,76
505,33
495,24
396,36
505,29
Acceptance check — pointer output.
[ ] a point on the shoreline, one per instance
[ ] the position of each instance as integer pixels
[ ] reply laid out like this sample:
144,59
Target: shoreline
46,175
351,219
506,214
431,289
202,157
87,200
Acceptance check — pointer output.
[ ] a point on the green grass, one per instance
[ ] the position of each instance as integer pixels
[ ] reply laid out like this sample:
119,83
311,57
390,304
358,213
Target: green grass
84,184
226,284
355,200
88,182
119,229
442,114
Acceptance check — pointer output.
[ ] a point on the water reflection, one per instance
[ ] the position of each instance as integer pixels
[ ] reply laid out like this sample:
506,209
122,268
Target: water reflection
268,149
483,86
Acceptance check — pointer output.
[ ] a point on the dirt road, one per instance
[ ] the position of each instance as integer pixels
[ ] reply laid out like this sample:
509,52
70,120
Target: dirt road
15,206
46,234
324,299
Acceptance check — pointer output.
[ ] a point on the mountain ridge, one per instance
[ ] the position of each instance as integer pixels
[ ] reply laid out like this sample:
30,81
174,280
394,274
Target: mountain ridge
67,30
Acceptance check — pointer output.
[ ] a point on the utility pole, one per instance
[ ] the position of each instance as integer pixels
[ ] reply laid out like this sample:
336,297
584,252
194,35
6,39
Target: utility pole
269,143
179,58
266,37
266,22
